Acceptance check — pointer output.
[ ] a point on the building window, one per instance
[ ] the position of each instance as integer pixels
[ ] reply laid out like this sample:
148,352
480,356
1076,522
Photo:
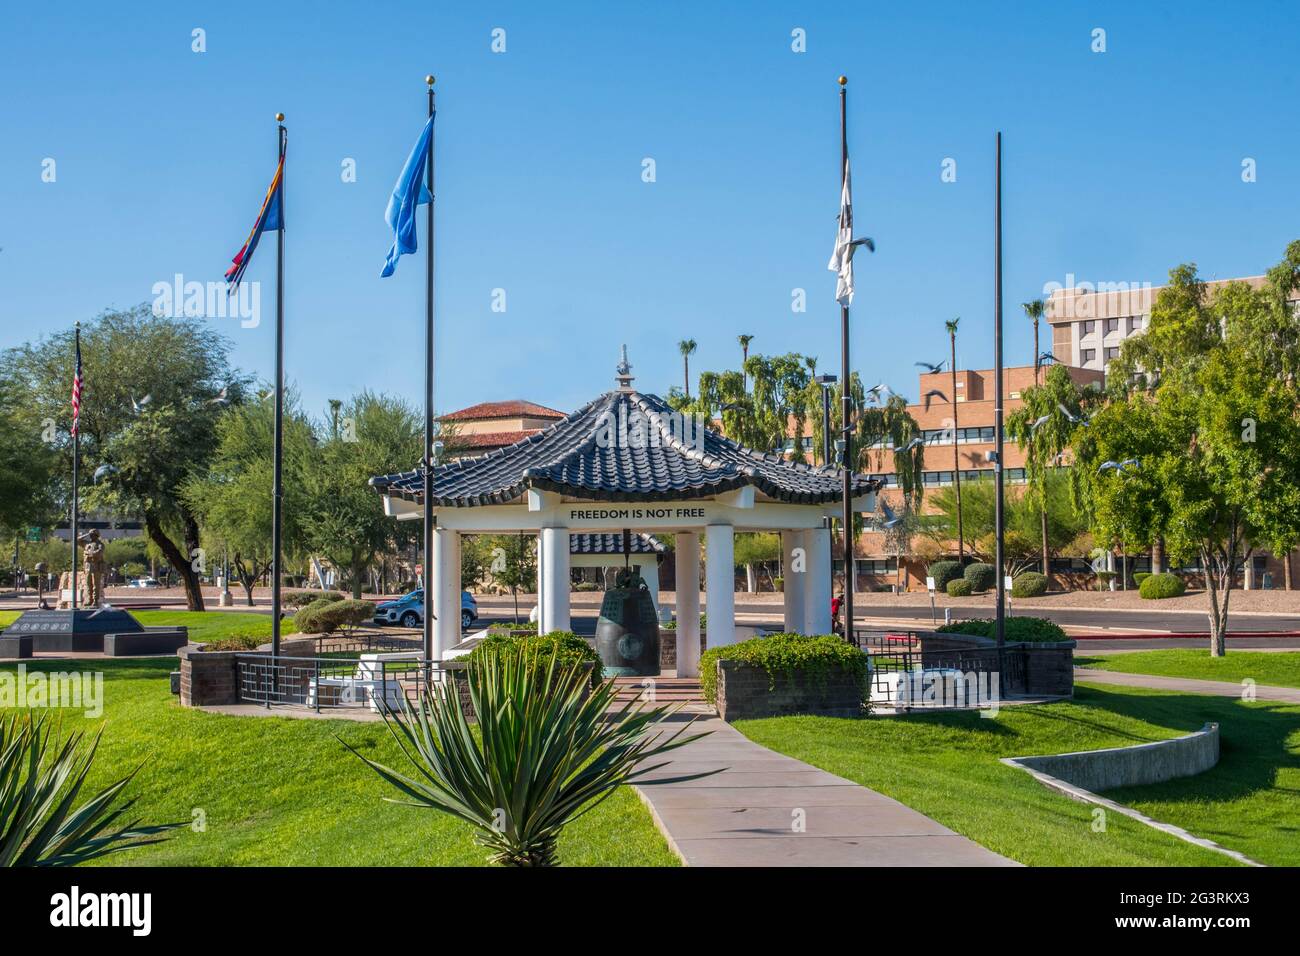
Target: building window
1089,327
1112,353
807,443
1112,325
1088,355
1136,323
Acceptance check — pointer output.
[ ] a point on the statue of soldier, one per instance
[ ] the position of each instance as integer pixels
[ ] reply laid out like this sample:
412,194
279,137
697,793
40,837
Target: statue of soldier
92,565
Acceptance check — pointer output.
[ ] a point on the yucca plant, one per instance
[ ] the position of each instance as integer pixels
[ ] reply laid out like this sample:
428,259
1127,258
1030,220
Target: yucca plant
548,749
40,780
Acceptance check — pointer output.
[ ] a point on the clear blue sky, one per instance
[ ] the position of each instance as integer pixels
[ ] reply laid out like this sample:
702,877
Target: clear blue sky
1118,166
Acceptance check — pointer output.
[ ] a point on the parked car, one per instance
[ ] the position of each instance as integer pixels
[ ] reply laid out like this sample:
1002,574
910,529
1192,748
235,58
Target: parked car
144,583
408,610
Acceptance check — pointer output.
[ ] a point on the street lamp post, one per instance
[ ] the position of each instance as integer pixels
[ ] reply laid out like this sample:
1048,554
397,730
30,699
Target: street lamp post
826,381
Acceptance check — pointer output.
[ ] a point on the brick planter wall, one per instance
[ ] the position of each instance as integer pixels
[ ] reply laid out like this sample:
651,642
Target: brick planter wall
746,691
210,678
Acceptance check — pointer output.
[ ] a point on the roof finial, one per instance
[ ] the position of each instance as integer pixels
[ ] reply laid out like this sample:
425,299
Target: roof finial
624,372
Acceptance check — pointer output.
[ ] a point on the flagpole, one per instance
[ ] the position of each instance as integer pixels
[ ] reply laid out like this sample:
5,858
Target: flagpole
277,494
76,468
427,617
846,399
999,472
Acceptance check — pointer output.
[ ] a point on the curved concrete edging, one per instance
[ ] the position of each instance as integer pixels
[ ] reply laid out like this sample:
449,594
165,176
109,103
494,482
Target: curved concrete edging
1077,775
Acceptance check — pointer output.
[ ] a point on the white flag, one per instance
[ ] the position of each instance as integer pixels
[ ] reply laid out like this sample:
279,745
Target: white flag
842,258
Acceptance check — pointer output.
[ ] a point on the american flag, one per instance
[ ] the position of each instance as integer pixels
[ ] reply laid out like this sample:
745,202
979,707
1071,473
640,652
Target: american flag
76,391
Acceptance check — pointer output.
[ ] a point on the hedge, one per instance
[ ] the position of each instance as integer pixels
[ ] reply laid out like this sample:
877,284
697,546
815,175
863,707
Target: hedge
565,646
303,598
1141,576
981,576
1032,629
943,572
1159,586
819,657
1029,584
326,615
960,587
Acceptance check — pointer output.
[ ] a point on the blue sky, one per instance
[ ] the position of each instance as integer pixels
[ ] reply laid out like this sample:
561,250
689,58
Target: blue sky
1118,165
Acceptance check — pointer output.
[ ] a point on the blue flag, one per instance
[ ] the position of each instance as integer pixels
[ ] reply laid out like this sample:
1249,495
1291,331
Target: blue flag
408,194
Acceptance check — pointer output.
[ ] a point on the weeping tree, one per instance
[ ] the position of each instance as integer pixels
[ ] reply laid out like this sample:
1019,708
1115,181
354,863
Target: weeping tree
889,430
1043,427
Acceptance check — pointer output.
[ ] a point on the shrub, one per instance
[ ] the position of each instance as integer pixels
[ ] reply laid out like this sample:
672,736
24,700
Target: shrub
303,598
235,642
333,615
818,657
1029,584
981,576
1159,586
308,619
1141,576
546,751
943,572
1032,629
566,646
586,586
960,587
1104,578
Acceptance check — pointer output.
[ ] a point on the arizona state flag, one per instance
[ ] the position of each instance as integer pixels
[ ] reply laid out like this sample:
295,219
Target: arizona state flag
270,218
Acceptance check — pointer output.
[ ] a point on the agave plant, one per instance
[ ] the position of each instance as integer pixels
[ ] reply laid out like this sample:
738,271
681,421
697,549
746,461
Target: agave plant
40,780
548,749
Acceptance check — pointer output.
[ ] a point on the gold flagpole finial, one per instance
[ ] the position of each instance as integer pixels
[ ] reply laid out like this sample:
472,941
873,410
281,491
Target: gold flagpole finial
429,79
279,117
844,80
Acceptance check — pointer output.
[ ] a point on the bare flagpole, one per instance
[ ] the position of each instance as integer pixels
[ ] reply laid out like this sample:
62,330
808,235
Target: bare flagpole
427,617
846,400
999,473
277,493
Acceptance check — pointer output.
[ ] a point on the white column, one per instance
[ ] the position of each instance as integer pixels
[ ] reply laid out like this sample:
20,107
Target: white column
444,584
555,580
794,568
541,588
688,604
817,582
720,584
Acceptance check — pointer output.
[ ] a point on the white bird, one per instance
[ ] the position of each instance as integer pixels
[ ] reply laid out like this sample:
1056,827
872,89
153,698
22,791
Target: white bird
103,471
891,519
138,407
1107,465
877,392
1040,421
914,443
220,398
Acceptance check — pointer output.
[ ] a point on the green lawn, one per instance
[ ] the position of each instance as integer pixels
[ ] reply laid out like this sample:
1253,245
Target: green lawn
204,625
283,791
1278,668
946,765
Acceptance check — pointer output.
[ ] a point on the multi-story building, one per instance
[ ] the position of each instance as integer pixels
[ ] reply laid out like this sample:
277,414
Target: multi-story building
1089,324
964,426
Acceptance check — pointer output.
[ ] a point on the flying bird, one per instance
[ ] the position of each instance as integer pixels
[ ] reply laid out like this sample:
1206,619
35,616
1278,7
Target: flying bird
1047,357
930,367
1043,420
877,392
932,394
914,443
138,407
891,519
1107,466
103,471
221,397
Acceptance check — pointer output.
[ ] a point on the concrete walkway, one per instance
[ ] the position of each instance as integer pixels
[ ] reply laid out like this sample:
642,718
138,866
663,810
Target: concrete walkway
1186,685
750,813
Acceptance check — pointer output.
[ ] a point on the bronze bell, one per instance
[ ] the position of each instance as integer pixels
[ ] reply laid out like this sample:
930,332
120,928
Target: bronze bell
627,632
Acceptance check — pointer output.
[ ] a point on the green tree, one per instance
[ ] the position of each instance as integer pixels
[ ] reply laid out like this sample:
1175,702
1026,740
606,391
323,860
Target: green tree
344,519
757,550
27,465
182,367
1034,312
687,348
233,499
1201,421
514,563
1043,428
744,341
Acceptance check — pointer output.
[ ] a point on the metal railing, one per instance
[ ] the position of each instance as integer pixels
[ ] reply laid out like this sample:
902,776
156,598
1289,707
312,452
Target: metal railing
376,682
904,673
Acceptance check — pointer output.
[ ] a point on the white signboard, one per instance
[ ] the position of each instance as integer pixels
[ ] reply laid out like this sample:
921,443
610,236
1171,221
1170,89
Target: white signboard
1006,582
929,583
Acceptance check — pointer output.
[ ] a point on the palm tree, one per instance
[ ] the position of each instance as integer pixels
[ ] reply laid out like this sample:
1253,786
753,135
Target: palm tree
687,348
951,326
1035,310
744,341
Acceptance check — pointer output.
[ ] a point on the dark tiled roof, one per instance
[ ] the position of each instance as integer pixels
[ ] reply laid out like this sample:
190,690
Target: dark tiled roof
490,439
511,409
574,457
588,543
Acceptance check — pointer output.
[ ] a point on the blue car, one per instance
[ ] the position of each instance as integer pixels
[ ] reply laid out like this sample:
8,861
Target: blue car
408,610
